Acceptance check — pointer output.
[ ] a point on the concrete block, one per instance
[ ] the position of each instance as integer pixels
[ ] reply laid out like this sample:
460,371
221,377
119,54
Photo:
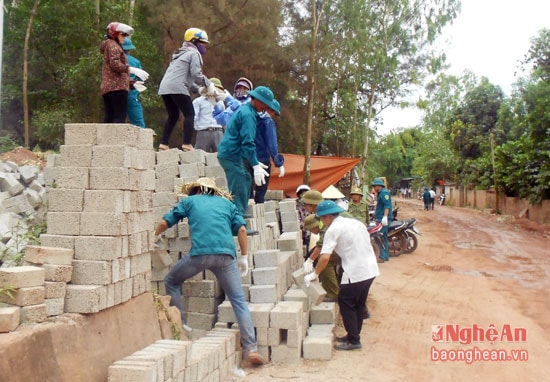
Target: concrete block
54,306
156,357
63,223
18,204
140,263
80,134
75,156
266,258
324,313
317,348
260,314
287,206
263,294
121,372
113,156
121,133
54,289
103,201
10,183
34,313
10,317
286,315
90,272
101,223
215,172
65,200
298,276
297,294
48,255
172,155
315,292
195,156
285,354
24,296
201,304
22,277
226,312
58,273
28,173
202,321
291,226
290,241
84,298
211,159
98,247
59,241
72,177
109,178
266,276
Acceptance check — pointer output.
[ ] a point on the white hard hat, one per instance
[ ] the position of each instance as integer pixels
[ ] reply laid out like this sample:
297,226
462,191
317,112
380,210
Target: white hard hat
302,187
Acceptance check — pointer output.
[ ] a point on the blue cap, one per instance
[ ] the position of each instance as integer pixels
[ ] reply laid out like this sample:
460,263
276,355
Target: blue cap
327,207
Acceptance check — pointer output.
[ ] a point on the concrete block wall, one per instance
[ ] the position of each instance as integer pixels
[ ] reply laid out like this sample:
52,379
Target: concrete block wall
101,207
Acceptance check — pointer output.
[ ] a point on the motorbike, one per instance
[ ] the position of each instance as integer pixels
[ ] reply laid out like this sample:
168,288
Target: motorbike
402,236
441,199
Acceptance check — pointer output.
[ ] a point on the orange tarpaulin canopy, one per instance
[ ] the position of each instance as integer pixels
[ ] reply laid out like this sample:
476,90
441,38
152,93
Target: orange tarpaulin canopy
324,172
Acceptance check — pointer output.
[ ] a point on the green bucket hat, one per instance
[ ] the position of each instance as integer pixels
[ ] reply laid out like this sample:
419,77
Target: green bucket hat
265,96
312,197
378,182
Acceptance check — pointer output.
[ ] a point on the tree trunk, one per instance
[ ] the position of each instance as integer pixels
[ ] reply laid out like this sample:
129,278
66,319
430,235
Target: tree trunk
311,73
26,74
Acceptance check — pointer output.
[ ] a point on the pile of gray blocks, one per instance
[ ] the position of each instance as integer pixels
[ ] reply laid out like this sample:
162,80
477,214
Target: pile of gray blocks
22,200
210,358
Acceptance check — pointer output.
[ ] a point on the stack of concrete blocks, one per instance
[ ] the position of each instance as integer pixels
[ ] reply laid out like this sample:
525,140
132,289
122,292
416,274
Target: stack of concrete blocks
100,206
202,293
22,199
211,358
319,341
26,304
57,264
201,296
290,220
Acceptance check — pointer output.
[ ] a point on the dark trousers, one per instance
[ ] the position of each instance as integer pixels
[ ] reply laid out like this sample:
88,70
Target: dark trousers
115,106
260,191
352,300
174,103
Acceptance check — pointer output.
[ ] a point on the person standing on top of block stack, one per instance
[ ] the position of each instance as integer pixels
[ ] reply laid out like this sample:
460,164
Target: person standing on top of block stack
238,144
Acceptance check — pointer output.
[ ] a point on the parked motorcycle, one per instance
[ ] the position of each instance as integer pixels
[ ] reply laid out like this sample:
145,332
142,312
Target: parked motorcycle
376,237
441,199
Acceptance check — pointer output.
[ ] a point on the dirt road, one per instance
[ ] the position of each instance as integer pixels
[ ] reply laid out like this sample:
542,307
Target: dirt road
470,271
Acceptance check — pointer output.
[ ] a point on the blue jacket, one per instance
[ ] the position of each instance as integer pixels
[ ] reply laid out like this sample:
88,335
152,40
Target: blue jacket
213,221
238,141
266,142
383,201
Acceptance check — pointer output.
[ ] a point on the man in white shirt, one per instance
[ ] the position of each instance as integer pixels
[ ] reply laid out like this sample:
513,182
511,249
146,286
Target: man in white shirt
209,132
432,198
350,239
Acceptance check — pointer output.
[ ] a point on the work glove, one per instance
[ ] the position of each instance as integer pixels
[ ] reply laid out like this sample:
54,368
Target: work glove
384,221
260,174
138,85
158,242
281,171
142,74
233,103
243,265
211,89
221,95
308,266
309,278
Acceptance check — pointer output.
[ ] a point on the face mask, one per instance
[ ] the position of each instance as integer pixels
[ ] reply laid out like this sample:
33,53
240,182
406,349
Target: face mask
241,93
202,49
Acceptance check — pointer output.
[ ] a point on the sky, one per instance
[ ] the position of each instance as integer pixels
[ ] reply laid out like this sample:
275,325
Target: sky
489,38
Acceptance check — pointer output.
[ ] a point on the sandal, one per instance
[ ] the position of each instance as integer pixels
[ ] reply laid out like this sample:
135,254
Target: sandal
163,147
187,148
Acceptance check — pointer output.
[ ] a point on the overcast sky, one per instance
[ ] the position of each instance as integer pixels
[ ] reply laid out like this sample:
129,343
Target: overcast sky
488,37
